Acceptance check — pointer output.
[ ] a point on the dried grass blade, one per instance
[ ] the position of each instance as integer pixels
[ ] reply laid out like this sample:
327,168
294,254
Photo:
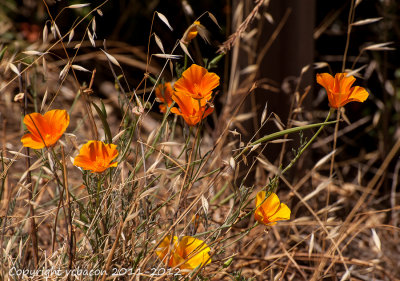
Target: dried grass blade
366,21
322,64
376,239
44,100
356,71
111,58
45,33
159,43
168,56
14,68
323,160
71,35
269,18
57,31
379,47
80,68
77,6
204,203
164,20
33,53
214,19
91,38
185,50
64,71
94,25
264,113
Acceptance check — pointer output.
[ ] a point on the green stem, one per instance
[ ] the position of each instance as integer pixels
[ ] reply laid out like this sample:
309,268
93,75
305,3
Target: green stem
98,191
309,142
156,139
219,193
284,132
185,62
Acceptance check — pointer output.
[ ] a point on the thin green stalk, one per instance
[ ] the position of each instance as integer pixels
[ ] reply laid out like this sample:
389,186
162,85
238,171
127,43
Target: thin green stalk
172,136
219,193
196,150
157,137
309,142
282,133
328,194
187,140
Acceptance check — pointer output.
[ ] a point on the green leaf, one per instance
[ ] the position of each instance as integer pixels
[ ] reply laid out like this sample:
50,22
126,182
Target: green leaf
103,118
290,131
214,62
2,52
282,133
103,108
152,79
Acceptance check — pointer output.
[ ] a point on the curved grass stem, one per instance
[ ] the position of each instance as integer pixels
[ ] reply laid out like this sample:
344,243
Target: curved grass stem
285,132
309,142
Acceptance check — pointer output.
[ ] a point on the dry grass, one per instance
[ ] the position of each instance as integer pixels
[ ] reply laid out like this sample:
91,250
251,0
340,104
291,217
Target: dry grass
53,216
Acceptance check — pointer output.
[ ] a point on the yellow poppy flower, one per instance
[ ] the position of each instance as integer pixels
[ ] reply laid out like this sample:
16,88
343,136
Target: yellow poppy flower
191,32
187,253
196,28
270,210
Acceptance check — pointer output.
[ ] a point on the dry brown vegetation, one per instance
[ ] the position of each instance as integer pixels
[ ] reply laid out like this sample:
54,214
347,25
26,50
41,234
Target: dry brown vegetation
192,181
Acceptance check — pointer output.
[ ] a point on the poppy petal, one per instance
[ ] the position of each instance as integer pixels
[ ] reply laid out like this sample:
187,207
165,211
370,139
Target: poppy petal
209,82
341,92
58,120
325,80
164,94
194,251
164,248
359,94
96,156
29,140
175,110
47,128
37,125
346,83
271,210
112,151
197,82
194,73
83,162
271,205
191,120
184,102
283,213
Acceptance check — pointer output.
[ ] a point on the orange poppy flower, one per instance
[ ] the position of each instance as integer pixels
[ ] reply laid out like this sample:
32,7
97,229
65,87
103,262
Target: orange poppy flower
45,130
187,253
164,94
270,210
197,82
193,111
340,90
96,156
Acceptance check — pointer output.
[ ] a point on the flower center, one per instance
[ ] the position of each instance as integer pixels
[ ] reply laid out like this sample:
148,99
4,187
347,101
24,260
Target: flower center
100,162
197,89
48,139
